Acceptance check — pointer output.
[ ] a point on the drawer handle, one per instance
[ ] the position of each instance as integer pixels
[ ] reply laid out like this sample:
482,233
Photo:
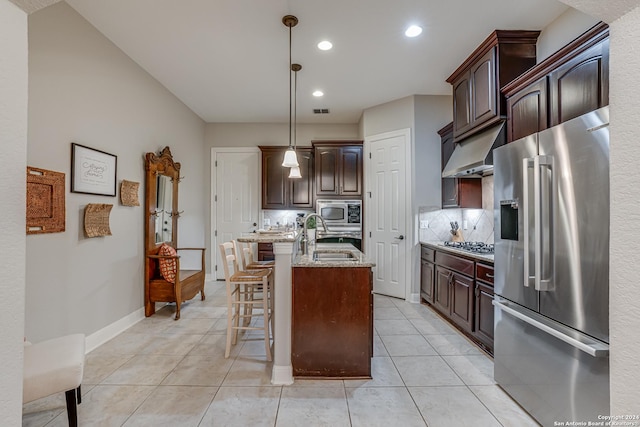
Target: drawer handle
490,276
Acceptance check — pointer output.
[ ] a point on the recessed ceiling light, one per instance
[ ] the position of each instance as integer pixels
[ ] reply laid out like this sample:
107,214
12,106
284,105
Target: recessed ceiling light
413,31
325,45
318,93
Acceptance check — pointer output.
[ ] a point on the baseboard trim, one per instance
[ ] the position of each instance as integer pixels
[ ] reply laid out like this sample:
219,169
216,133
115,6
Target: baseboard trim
414,298
100,337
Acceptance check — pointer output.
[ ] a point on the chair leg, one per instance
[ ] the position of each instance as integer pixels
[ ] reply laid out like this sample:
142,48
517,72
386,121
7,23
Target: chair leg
265,308
79,395
227,350
72,410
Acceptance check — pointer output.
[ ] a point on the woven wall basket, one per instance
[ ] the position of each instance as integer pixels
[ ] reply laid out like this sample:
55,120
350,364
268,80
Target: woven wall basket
45,201
96,220
129,193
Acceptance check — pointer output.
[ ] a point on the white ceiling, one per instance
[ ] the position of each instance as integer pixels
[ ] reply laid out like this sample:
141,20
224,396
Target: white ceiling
228,59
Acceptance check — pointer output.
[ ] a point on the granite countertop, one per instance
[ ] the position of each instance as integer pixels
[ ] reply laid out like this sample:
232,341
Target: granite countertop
269,237
359,260
441,247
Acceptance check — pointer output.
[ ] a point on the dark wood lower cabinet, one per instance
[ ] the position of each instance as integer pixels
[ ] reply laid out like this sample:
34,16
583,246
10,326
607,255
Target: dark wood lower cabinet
332,322
484,314
462,291
442,289
462,301
427,271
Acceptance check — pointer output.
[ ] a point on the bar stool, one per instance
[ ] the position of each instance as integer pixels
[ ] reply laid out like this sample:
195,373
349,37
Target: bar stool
248,263
243,288
246,258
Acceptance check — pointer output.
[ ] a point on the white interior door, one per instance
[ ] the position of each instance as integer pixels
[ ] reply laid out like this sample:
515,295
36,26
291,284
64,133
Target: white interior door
387,212
236,196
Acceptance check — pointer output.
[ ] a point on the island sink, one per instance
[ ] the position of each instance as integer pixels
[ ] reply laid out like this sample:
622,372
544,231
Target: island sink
320,255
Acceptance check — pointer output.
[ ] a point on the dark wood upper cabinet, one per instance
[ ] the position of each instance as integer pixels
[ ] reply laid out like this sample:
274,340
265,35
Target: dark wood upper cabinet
477,100
457,192
569,83
338,168
278,190
527,111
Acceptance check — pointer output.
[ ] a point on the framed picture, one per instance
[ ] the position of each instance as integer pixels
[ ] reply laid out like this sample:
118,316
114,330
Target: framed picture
92,171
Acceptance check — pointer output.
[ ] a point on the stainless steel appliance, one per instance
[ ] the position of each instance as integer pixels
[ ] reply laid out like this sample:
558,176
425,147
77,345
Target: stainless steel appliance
341,215
473,247
552,270
343,219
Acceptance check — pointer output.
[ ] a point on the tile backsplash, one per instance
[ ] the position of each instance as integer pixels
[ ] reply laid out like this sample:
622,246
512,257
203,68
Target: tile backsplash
279,218
476,224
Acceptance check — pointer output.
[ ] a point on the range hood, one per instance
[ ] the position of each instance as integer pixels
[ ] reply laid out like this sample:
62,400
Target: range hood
473,157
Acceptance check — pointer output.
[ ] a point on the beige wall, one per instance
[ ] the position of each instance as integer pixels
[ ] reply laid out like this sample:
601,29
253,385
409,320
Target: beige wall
13,157
562,30
83,89
625,214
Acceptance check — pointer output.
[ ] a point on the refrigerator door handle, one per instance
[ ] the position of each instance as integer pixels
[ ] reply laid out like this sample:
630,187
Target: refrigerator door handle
529,279
595,349
543,255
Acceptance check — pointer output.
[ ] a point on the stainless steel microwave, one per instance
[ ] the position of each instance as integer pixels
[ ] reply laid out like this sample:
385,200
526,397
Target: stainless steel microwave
341,213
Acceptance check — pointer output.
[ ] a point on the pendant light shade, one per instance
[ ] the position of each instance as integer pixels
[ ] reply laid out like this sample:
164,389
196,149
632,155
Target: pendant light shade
295,172
290,158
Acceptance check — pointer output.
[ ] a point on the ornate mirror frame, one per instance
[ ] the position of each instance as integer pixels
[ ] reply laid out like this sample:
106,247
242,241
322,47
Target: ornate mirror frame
156,166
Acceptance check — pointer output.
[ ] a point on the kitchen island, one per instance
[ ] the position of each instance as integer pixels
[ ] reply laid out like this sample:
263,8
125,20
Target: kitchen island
332,313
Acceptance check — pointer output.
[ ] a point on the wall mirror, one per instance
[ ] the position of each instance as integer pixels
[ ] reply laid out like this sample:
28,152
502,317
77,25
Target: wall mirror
164,206
161,199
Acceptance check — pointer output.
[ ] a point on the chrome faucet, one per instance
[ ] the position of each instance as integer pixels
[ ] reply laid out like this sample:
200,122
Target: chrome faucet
305,246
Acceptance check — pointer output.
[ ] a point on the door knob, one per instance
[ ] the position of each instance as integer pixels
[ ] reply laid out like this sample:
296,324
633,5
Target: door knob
400,237
255,224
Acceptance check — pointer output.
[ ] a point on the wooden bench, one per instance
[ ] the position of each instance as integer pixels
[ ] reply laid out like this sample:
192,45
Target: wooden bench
187,284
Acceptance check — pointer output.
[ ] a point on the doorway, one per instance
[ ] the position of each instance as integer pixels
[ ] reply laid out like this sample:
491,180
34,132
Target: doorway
388,212
235,197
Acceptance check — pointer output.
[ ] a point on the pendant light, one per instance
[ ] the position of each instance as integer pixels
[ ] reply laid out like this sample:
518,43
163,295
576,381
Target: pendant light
295,171
290,158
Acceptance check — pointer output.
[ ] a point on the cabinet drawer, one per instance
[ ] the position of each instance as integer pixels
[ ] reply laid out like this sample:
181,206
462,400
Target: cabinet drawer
427,254
484,272
461,265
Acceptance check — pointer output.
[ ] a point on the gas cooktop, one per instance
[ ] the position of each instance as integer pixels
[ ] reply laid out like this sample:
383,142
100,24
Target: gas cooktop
475,247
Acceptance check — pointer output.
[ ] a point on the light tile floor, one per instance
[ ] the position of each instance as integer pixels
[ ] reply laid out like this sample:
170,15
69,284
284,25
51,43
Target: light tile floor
166,373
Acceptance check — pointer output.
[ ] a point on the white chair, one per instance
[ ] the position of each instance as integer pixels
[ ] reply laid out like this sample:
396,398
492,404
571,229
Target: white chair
55,366
247,262
246,290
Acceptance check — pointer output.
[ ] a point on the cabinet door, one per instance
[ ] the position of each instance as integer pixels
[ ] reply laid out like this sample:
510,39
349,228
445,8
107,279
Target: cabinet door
351,171
327,170
301,192
483,89
461,105
458,192
527,111
274,180
442,289
427,270
449,185
484,314
580,85
462,301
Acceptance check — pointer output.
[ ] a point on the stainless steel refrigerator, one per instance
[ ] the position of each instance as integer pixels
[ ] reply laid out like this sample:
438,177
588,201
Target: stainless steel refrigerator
551,301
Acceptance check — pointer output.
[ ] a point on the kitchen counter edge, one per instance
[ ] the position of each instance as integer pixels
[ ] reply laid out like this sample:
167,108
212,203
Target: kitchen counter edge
474,256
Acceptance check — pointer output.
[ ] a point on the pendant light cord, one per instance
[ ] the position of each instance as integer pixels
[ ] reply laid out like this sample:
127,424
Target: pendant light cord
290,61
